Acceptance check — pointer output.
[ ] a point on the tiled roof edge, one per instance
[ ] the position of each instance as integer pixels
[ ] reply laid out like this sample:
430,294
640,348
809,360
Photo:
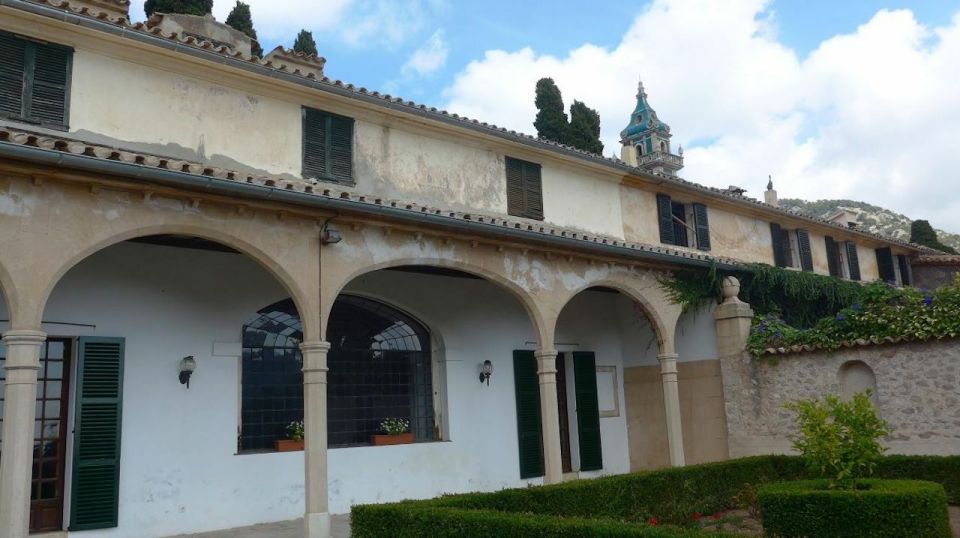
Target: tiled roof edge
847,344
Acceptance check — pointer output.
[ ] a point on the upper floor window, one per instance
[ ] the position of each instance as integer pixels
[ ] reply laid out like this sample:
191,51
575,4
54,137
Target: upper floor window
842,259
524,189
791,248
327,146
684,225
893,269
34,81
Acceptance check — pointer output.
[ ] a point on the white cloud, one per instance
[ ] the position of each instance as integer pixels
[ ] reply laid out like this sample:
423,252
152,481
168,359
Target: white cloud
872,115
428,58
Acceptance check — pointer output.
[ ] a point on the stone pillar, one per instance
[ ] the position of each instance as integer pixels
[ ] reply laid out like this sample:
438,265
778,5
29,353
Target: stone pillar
316,519
22,364
671,407
733,318
549,415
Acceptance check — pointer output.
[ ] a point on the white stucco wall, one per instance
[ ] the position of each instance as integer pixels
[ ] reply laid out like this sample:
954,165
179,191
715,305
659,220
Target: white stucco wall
180,472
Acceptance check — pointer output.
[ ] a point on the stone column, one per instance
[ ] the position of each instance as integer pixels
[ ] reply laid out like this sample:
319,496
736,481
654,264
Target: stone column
671,407
549,415
316,519
19,409
733,318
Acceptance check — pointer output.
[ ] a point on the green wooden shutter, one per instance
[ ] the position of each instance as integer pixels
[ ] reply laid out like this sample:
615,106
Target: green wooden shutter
12,70
533,191
315,144
885,265
341,149
588,410
514,186
776,237
853,260
97,425
702,226
806,256
906,275
665,218
51,79
527,387
832,264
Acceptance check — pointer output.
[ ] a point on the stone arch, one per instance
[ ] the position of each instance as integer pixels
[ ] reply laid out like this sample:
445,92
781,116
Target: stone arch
661,314
8,296
856,376
257,252
331,290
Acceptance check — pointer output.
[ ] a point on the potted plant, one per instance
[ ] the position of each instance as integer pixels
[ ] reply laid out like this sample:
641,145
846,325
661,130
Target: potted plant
294,441
396,431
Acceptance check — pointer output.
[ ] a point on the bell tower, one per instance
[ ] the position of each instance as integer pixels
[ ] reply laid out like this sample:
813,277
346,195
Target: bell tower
646,140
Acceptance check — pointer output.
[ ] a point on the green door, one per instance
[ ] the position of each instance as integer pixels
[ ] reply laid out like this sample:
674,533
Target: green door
527,390
588,410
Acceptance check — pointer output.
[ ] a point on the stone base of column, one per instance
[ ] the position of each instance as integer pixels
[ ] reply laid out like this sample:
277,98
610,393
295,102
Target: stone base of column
317,525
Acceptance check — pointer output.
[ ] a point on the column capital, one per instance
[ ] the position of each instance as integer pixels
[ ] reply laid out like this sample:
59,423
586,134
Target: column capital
315,346
24,337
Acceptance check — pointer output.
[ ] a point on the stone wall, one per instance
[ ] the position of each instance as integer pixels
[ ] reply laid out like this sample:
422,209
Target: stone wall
934,276
917,390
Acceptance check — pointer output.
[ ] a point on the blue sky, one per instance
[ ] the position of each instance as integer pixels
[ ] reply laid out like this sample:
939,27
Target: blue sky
835,99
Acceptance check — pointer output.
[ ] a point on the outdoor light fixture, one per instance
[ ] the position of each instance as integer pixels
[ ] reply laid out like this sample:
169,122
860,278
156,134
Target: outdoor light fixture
485,370
330,235
187,366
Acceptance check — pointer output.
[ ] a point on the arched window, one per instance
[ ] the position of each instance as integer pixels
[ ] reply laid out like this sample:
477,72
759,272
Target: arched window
379,367
855,377
663,146
640,150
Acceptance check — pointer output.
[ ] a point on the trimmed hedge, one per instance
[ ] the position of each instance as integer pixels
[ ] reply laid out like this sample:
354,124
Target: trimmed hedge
621,503
882,509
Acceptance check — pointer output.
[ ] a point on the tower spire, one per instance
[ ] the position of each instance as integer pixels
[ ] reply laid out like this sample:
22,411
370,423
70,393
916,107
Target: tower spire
646,140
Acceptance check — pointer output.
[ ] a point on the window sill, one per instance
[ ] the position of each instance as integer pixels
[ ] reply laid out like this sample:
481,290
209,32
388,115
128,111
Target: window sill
357,445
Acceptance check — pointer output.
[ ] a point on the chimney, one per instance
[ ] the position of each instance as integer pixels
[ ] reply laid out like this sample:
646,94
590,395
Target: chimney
203,27
294,62
770,195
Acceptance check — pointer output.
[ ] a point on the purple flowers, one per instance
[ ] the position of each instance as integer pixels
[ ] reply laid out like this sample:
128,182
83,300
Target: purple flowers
841,316
927,300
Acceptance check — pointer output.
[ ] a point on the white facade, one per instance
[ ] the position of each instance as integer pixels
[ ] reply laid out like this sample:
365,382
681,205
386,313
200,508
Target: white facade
180,471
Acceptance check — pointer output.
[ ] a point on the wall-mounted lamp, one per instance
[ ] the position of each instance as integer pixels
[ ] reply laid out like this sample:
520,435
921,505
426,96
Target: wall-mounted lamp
330,235
485,370
187,366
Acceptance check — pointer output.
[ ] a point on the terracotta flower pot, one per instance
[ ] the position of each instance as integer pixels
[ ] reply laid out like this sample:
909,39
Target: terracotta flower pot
288,445
401,439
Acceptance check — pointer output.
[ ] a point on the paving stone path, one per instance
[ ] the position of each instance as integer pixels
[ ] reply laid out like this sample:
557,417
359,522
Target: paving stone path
282,529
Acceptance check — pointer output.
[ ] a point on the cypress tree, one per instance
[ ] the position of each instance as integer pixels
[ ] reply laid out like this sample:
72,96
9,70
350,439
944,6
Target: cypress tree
922,233
241,19
187,7
585,128
551,122
305,43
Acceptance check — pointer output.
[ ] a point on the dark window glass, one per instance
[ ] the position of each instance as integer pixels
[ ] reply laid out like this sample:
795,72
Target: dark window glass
679,212
379,367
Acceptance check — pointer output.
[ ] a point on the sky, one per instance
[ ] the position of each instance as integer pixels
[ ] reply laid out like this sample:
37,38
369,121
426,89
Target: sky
855,99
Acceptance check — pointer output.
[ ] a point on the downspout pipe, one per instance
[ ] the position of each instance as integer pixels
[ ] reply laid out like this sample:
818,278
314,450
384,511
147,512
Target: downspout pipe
225,187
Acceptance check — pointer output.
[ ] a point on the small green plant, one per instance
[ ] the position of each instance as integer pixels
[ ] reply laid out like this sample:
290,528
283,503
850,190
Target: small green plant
839,440
295,430
395,426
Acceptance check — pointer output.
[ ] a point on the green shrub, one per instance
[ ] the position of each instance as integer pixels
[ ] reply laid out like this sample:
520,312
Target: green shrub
880,509
839,440
944,470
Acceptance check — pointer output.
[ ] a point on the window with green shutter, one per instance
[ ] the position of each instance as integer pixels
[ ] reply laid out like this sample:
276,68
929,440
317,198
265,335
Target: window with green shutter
527,389
906,273
833,256
34,81
327,147
853,260
702,226
97,425
806,255
524,189
588,410
665,219
776,238
885,265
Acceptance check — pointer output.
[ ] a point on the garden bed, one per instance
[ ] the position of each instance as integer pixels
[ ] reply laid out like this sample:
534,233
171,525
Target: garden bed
660,503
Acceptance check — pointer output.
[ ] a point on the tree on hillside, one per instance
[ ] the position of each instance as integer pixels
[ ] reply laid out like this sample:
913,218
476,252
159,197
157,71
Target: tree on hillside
188,7
922,233
241,19
305,43
584,130
551,122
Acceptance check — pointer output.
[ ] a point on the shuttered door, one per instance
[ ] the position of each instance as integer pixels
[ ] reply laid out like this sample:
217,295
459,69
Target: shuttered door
853,260
832,263
96,450
327,146
588,411
665,218
885,265
527,390
906,274
776,238
806,256
51,75
702,225
12,68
